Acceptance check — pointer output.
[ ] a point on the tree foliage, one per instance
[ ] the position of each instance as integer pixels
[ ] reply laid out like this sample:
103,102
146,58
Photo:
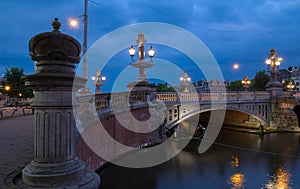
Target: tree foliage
235,85
164,88
13,79
260,80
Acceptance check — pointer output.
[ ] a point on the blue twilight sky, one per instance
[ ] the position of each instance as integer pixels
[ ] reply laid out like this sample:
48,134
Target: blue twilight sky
237,31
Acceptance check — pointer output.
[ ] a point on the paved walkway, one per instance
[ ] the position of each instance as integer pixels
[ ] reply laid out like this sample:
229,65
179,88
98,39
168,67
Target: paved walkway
16,145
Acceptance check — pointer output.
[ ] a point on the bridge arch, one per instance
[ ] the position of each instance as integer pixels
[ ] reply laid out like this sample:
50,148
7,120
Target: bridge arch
198,112
297,111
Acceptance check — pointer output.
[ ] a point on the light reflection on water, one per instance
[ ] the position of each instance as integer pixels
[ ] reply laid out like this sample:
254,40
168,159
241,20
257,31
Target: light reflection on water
280,180
237,160
237,181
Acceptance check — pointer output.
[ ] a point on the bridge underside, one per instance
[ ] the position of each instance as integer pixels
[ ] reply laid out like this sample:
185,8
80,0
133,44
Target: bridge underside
228,116
235,118
297,111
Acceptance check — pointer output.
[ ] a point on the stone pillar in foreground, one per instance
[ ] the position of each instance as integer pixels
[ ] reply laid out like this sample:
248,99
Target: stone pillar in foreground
55,164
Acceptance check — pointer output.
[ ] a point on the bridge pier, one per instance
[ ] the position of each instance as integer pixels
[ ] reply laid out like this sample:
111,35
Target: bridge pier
283,115
55,164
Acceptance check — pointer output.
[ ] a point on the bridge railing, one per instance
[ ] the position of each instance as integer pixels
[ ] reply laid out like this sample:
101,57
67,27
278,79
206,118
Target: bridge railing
207,96
124,100
109,101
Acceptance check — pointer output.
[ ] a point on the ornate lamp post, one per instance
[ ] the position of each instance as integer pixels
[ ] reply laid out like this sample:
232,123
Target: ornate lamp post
141,64
142,82
185,79
273,61
99,81
246,82
290,86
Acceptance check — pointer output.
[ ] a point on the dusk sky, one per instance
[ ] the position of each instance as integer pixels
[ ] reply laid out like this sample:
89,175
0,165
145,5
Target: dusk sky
235,31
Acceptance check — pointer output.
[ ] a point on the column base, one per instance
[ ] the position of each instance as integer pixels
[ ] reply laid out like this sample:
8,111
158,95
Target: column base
62,175
275,87
141,86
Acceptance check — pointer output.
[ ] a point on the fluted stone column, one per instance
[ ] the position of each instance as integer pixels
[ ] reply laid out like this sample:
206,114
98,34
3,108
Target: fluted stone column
55,164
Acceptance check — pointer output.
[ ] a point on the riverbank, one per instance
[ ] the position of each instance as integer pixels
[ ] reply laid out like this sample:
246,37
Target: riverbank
258,131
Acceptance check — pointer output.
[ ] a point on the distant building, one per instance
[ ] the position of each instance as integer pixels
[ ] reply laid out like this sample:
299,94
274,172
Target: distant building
201,86
212,85
291,73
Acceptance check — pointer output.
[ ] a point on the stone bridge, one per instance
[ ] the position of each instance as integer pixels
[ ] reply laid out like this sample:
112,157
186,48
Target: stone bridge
115,111
176,107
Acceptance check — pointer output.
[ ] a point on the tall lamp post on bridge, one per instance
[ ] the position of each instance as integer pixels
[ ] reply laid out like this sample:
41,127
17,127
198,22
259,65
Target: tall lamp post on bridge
74,23
186,80
273,61
246,82
142,81
99,81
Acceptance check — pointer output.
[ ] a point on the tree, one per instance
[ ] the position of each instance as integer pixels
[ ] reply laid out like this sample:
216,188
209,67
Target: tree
164,88
13,79
235,85
260,80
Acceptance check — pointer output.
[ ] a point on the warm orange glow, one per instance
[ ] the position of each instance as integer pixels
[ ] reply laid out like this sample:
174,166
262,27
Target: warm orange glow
7,88
235,161
73,22
237,180
280,180
236,66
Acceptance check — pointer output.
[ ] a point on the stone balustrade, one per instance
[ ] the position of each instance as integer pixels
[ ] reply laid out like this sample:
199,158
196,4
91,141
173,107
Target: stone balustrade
170,96
206,96
105,102
108,101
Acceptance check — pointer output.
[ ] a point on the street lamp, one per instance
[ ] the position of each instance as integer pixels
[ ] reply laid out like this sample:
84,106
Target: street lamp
273,63
99,81
141,64
185,79
7,88
290,86
246,82
74,23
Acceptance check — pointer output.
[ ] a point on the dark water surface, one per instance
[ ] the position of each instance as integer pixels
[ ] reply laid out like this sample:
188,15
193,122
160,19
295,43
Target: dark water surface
236,160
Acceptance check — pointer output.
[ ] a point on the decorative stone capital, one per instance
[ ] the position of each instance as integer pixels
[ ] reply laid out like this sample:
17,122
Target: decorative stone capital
54,46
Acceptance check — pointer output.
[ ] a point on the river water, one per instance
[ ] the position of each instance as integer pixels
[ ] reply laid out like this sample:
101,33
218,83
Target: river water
235,160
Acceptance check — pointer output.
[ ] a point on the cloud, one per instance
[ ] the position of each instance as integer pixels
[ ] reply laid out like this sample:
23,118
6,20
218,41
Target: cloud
235,31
